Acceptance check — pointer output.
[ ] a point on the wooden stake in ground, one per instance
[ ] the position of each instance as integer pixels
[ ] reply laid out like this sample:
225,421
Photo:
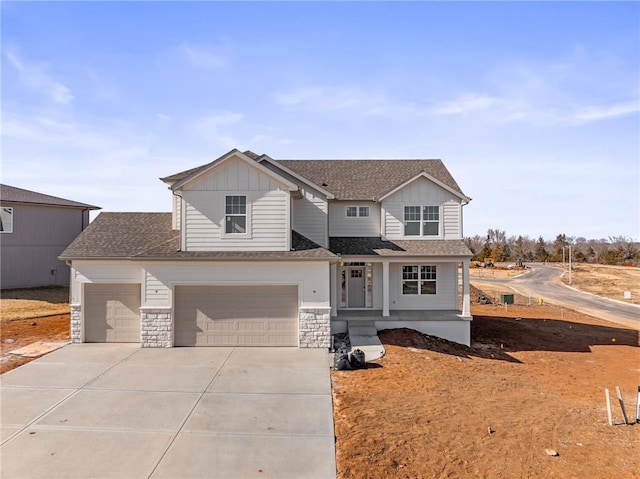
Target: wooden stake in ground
609,415
638,407
624,413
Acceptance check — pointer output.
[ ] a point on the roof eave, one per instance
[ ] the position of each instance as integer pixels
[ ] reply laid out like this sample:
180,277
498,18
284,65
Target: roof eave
329,257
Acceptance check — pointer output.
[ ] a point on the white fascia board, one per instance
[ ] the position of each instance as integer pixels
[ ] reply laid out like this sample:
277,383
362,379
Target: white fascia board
430,178
302,179
290,186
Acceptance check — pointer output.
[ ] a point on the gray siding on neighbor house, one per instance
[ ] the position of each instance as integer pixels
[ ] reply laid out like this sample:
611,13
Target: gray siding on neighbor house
29,255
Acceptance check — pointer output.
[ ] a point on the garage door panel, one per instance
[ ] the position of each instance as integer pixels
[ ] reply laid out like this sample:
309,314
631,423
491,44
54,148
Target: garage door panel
236,316
112,313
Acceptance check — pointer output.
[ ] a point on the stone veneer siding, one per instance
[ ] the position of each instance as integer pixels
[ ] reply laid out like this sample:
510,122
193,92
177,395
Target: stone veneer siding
155,328
76,323
315,328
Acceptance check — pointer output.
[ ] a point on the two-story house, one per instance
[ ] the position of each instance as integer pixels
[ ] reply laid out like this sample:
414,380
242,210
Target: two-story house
277,253
34,229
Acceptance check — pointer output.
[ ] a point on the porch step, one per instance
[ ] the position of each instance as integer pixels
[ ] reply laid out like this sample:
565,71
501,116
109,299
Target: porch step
362,328
364,336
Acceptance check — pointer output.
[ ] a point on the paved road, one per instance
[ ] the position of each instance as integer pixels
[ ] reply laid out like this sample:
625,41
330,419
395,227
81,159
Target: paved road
543,281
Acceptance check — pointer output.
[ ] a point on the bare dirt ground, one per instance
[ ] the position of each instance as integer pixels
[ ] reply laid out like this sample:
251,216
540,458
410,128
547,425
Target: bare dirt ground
30,315
608,281
22,332
533,379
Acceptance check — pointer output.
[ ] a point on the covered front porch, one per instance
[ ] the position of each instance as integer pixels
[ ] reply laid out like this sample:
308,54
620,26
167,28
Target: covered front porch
417,284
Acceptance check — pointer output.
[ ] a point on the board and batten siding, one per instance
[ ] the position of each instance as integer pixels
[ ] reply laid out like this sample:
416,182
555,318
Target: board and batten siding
422,192
29,254
268,210
310,217
341,225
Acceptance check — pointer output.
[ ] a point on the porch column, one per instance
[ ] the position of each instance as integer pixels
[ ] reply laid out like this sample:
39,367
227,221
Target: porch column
333,288
466,298
385,288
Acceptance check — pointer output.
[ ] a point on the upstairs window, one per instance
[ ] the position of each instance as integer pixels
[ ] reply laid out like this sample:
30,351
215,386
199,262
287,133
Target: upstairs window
421,220
357,211
6,220
235,220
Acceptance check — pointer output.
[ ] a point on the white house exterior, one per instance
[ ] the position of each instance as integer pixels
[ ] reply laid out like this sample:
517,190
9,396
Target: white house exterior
259,252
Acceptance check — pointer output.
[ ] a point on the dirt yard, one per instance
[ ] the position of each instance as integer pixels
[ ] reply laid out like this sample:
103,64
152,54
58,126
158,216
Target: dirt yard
30,315
533,380
608,281
22,332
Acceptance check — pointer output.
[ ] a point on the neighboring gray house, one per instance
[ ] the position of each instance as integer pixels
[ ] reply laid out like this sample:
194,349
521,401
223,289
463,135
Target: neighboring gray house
264,252
34,229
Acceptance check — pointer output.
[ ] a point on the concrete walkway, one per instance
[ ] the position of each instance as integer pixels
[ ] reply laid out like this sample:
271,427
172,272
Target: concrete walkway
115,410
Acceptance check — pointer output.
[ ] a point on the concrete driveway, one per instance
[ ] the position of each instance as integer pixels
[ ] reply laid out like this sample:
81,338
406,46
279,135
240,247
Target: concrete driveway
115,410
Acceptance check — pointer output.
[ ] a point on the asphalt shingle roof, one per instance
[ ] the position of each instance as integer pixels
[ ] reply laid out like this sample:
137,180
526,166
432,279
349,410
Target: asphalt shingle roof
376,246
354,179
150,236
366,179
19,195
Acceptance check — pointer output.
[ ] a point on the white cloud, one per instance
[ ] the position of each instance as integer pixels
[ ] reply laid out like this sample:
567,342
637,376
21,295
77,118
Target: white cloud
358,101
34,75
204,56
464,104
323,98
608,111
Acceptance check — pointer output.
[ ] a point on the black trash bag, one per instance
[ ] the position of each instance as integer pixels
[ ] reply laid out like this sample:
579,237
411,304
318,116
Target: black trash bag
341,360
357,359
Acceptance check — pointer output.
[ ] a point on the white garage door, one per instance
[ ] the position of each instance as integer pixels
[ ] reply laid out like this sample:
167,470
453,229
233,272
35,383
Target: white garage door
236,316
112,313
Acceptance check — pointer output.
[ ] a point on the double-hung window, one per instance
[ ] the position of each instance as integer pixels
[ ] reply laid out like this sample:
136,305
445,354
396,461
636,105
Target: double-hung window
357,211
235,220
421,220
418,280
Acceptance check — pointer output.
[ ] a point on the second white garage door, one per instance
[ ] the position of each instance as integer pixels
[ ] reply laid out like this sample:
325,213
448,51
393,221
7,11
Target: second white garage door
236,316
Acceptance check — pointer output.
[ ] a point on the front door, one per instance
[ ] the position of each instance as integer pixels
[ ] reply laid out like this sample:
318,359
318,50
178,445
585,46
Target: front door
356,288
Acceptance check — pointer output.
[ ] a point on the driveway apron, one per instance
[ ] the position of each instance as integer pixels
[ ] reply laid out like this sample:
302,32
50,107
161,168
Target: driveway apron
116,410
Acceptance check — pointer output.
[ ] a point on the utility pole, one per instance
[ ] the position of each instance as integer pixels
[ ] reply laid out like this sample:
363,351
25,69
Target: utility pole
570,261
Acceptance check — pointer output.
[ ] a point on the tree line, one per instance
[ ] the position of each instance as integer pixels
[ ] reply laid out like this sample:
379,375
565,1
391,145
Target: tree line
497,246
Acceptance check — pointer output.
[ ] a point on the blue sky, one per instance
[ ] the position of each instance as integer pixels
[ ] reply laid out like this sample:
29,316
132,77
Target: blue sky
534,107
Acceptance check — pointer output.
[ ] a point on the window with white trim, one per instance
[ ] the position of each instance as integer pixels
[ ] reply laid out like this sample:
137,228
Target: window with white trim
235,219
357,211
6,220
422,221
418,280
